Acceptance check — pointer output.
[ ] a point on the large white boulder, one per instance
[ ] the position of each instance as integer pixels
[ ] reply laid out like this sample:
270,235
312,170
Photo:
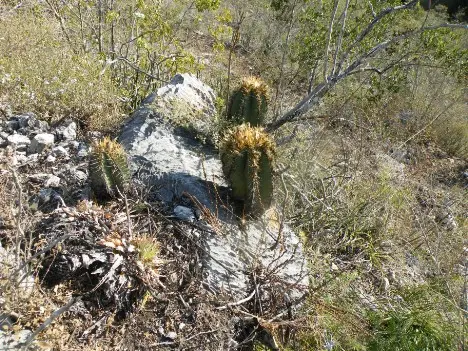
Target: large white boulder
167,154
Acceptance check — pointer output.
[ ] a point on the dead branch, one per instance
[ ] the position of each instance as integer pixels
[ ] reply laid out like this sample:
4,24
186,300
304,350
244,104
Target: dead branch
19,230
340,38
44,250
329,36
240,302
49,320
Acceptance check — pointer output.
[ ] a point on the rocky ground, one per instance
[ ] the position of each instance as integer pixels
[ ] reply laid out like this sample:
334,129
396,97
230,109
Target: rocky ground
215,282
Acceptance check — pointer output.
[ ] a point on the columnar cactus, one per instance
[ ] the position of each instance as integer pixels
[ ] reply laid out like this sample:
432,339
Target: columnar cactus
249,103
108,169
247,155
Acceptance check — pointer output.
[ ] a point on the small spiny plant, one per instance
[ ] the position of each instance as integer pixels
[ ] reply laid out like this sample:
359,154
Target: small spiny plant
247,155
148,249
108,169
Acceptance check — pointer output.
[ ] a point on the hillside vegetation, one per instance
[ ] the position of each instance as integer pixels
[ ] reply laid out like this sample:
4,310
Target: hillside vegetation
372,168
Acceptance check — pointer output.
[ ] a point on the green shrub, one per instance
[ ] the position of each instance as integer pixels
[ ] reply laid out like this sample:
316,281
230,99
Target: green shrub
418,324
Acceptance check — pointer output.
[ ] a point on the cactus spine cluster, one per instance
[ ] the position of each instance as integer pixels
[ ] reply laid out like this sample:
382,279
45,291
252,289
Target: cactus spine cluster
108,169
247,155
249,102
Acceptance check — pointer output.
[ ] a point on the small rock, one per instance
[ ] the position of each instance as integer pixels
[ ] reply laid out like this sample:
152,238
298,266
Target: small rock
4,135
83,150
74,144
60,151
40,142
385,284
20,159
33,158
42,126
12,125
67,131
15,341
78,175
46,199
27,120
18,140
53,181
184,213
48,180
29,124
50,159
171,335
7,320
3,142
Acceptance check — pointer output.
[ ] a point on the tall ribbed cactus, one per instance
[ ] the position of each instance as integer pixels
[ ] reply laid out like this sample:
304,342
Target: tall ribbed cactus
249,102
247,155
108,169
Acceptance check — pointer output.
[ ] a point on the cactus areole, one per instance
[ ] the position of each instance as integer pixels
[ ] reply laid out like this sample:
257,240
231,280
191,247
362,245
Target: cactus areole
108,169
247,155
249,103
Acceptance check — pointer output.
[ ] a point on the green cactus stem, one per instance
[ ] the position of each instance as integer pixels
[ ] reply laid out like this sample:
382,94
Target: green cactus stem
249,103
108,169
247,155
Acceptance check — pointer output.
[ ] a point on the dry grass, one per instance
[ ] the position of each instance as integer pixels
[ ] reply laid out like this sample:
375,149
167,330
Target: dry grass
40,72
368,217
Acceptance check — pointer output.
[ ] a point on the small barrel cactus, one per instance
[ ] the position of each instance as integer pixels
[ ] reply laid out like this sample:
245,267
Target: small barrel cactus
247,155
108,169
249,103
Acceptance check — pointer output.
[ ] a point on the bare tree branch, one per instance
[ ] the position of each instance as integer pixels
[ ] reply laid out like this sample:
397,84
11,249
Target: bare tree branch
340,38
138,69
308,102
365,32
330,32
